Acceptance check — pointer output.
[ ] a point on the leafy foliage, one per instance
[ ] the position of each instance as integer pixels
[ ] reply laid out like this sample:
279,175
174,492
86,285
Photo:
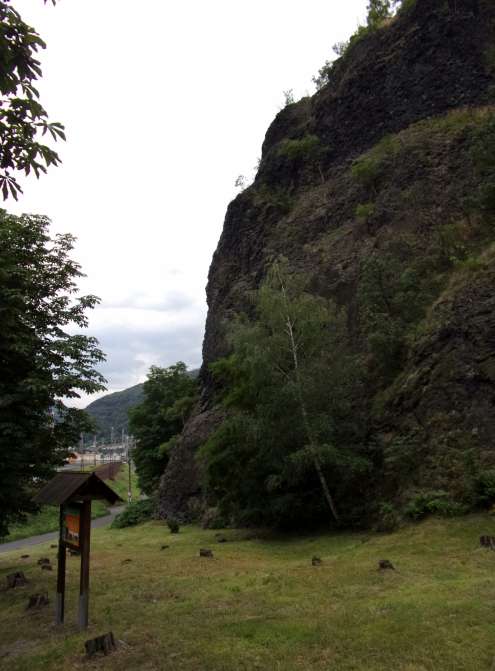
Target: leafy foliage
22,118
260,463
483,153
134,513
433,503
368,168
41,363
288,97
389,300
303,148
169,396
378,11
484,487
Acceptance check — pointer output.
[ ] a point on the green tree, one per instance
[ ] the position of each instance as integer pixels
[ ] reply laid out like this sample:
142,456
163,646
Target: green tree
41,363
378,11
169,396
23,120
293,438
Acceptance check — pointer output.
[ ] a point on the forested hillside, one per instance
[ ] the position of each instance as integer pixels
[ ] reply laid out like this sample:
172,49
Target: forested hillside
379,193
112,410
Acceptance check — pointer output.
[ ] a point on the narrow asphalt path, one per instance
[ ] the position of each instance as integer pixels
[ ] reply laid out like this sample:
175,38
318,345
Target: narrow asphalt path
53,535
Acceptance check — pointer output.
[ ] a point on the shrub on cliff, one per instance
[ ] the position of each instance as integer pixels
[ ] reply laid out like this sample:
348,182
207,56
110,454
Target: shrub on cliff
303,148
378,12
483,153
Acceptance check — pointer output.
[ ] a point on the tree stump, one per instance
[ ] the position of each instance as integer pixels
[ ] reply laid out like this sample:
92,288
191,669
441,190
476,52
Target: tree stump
17,579
37,601
385,564
204,552
487,542
173,525
316,561
104,644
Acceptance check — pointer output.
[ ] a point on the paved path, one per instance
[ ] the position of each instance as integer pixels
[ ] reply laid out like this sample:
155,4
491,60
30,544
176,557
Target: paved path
53,535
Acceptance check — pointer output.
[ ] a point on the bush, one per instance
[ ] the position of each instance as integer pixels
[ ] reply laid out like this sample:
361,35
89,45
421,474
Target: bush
278,197
484,488
433,503
213,519
306,147
483,154
364,211
173,525
388,518
135,513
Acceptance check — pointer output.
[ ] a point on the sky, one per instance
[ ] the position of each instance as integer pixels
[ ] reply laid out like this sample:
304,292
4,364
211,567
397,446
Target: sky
165,103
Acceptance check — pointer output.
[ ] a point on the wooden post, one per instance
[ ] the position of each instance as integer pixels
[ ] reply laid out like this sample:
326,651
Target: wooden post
60,598
84,581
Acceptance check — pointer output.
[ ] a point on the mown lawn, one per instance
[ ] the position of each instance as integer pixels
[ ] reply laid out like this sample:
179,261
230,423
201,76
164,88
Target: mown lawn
260,604
47,519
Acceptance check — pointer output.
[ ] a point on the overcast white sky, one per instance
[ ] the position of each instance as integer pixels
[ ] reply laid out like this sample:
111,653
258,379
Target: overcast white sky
165,103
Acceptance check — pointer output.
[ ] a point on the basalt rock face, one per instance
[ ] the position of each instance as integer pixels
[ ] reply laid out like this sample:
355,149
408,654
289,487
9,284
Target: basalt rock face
430,61
381,164
180,485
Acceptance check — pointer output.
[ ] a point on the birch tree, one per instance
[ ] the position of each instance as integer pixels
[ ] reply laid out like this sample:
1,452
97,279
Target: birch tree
291,384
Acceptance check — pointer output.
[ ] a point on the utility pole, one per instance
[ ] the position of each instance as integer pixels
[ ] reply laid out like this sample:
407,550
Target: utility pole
129,485
82,451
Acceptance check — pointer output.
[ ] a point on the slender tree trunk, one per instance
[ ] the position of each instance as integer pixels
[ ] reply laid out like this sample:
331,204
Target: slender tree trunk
302,404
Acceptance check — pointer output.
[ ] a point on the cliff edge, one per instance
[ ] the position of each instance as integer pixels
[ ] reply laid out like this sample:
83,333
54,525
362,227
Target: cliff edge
378,187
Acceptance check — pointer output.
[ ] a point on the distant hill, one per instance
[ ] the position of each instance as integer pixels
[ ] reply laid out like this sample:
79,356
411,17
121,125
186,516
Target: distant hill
111,410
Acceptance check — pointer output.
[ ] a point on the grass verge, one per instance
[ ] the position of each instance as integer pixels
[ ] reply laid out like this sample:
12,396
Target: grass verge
260,604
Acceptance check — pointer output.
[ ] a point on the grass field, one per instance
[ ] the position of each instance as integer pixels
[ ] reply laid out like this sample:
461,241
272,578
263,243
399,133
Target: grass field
48,517
260,604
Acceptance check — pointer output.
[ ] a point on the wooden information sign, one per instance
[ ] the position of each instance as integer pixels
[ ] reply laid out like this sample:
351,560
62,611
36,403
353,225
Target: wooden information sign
73,492
71,525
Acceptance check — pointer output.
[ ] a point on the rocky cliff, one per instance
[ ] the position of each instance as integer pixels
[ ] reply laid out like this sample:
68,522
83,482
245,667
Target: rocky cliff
378,187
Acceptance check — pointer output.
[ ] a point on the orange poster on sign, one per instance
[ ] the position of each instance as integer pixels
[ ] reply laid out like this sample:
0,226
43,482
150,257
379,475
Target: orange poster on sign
72,526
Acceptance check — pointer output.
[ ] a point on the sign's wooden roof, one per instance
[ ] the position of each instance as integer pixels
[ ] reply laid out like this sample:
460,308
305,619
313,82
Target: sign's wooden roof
73,486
